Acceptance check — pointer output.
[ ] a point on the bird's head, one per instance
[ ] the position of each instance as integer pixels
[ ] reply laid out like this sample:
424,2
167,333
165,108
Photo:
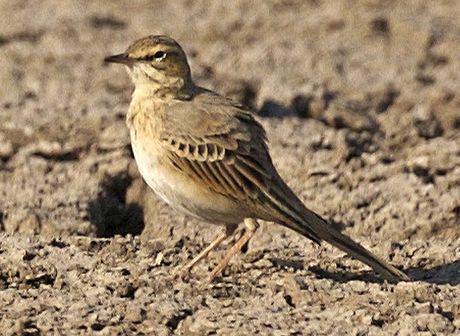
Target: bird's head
156,63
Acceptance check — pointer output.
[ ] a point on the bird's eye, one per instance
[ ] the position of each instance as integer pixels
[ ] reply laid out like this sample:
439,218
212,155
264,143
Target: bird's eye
159,55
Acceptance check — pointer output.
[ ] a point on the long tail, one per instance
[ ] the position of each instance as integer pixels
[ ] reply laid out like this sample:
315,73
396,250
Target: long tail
325,231
292,213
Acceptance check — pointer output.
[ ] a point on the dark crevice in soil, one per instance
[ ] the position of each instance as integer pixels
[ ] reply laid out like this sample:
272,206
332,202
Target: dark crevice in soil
59,157
24,36
102,21
174,321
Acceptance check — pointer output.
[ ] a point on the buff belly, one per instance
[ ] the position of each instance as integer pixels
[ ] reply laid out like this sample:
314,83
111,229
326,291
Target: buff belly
179,190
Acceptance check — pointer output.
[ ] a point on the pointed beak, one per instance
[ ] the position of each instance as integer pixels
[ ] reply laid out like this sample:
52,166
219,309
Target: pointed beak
120,58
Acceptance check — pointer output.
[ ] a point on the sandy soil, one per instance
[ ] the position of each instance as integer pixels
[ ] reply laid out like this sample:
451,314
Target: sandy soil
361,104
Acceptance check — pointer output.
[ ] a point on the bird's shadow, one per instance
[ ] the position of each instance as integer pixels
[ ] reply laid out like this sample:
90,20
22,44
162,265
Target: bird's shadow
110,213
448,273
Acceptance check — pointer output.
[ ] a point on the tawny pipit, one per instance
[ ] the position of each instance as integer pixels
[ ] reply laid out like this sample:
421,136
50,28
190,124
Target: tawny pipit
207,156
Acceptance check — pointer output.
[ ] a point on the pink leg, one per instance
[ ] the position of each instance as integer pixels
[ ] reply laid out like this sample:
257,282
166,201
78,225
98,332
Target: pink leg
216,242
251,228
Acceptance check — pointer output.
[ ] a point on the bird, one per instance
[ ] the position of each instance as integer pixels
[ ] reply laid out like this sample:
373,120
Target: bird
207,156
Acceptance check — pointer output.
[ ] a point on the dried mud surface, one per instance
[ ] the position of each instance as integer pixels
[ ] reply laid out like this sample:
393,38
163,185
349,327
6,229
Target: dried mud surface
362,108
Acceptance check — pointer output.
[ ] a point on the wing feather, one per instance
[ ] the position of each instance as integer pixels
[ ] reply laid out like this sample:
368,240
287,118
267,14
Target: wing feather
228,154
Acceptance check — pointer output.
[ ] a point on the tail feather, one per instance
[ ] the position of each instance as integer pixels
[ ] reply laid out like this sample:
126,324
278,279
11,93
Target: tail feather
286,209
334,237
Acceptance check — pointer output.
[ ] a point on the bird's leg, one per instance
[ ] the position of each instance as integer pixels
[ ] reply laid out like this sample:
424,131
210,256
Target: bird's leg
251,228
216,242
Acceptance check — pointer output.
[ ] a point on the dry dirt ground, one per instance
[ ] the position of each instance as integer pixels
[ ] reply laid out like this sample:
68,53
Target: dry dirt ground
362,107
